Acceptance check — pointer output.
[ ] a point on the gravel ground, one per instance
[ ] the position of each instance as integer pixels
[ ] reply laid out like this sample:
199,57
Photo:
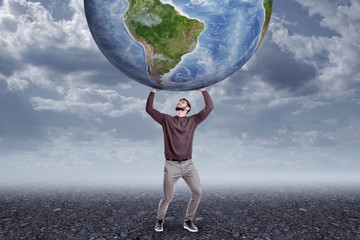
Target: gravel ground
247,212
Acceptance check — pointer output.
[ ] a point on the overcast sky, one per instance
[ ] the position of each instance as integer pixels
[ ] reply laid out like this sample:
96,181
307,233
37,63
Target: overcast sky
67,115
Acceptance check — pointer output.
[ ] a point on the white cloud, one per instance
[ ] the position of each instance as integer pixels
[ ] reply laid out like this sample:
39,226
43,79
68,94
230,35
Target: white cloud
83,157
199,2
36,28
202,2
287,139
340,71
37,76
341,18
349,135
91,102
331,121
27,28
147,19
257,96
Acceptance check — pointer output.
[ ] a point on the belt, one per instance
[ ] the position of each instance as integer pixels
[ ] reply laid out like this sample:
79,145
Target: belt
177,160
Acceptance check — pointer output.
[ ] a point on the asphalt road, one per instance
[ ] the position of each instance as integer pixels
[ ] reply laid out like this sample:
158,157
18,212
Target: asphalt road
246,212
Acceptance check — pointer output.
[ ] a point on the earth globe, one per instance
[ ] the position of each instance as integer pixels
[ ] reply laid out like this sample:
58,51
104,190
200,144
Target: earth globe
178,45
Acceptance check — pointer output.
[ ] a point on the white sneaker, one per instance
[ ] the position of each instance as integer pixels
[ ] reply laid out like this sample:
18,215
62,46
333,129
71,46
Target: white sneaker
189,225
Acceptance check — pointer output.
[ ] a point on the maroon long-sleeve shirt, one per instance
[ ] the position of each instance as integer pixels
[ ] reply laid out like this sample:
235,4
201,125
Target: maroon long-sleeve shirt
179,131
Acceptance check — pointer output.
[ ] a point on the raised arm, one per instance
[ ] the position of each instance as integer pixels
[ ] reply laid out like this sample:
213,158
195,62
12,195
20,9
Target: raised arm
155,114
209,106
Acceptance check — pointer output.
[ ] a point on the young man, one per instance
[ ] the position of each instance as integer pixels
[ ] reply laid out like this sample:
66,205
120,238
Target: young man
178,140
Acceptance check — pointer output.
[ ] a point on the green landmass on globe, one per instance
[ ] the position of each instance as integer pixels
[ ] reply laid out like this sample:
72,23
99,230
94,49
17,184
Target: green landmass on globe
178,45
164,33
268,10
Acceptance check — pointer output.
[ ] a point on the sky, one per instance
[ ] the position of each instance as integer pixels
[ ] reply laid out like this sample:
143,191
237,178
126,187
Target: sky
292,112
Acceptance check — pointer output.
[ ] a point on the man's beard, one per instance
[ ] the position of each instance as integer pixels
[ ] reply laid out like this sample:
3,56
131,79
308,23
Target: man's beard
179,109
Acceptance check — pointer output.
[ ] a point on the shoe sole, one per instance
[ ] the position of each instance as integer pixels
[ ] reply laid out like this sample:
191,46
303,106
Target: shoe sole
159,230
190,230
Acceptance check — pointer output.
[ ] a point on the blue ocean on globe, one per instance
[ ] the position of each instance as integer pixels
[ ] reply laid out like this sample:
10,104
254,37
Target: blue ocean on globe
233,31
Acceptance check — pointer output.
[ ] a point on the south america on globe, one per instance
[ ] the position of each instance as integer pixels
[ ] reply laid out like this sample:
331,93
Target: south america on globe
178,44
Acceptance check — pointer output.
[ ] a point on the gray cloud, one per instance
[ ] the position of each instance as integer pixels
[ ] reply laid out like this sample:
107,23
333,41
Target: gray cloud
17,117
298,20
59,9
339,57
8,63
9,25
64,107
279,99
48,51
75,60
292,75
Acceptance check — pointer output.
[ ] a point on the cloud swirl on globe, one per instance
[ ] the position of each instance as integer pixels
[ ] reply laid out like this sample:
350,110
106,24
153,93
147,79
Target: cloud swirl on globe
178,44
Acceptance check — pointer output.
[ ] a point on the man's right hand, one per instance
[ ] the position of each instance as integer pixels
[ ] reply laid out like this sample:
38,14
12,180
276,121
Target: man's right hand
154,90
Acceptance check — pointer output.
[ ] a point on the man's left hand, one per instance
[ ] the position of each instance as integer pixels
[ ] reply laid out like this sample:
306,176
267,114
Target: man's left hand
201,89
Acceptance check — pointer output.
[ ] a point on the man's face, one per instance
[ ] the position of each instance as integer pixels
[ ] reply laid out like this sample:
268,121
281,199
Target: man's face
182,105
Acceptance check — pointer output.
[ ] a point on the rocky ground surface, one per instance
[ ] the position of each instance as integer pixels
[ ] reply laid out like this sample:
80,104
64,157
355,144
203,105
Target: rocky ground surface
252,212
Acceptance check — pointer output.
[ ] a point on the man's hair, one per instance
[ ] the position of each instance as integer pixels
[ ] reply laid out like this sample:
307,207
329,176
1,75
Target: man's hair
188,103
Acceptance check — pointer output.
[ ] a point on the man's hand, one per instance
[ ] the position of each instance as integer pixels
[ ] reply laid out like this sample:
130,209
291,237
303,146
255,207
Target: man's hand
201,89
155,90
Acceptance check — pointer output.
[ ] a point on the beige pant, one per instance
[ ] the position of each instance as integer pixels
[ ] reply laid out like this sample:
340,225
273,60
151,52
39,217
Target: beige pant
172,172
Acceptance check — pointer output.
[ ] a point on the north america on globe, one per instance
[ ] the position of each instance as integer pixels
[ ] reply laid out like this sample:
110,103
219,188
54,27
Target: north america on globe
178,44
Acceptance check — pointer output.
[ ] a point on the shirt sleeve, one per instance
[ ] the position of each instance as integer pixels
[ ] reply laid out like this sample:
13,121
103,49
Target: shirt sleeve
209,106
155,114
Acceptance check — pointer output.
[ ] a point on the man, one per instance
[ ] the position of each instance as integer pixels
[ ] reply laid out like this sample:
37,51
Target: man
178,139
